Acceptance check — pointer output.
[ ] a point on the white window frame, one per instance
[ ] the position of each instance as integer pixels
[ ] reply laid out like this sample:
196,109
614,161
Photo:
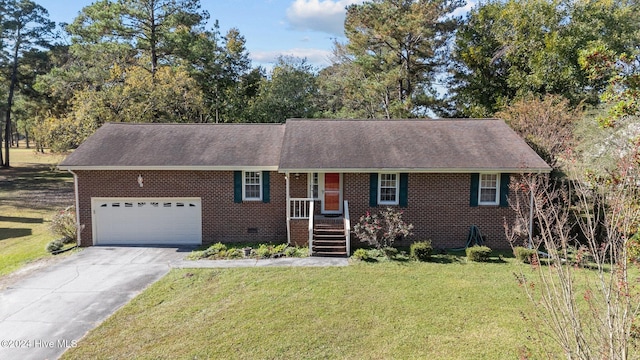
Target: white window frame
311,185
244,186
397,195
495,201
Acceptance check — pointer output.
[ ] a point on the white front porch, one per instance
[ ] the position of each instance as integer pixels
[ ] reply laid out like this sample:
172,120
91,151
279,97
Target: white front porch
321,219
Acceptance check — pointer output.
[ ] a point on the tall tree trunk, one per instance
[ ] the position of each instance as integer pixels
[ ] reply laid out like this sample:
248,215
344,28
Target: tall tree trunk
152,43
1,159
14,78
26,137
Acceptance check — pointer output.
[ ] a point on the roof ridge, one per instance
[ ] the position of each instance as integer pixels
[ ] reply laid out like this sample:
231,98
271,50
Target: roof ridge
392,120
186,124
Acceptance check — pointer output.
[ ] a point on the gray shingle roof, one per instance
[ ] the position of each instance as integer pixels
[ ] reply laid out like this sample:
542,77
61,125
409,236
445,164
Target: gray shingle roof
179,146
455,145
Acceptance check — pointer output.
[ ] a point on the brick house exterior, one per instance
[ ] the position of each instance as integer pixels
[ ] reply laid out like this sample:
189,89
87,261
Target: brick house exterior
136,183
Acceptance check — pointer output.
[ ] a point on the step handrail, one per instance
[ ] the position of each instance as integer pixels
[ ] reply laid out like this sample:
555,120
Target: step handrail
311,204
347,227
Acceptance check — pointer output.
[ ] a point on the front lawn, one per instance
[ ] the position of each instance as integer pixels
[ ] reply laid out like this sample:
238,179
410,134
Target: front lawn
392,309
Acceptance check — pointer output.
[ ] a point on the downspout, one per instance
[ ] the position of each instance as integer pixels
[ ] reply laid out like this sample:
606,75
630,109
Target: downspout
531,218
288,208
75,186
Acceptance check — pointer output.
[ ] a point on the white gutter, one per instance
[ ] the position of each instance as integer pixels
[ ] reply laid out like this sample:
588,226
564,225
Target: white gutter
414,170
173,167
75,186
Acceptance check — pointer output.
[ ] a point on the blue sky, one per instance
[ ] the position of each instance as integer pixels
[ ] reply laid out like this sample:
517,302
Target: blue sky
302,28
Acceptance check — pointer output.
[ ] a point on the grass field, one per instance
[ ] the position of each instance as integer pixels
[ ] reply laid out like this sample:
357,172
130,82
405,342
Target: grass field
30,192
386,310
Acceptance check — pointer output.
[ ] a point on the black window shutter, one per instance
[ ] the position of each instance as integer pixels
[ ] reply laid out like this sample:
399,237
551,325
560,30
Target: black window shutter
404,188
266,195
237,186
475,185
373,190
504,190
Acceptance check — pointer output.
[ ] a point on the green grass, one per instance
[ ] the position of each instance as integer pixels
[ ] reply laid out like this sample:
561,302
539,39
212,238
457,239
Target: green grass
30,191
449,310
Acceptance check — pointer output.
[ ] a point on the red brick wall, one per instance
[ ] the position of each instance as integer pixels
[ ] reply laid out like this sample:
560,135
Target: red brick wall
438,207
222,219
438,204
300,232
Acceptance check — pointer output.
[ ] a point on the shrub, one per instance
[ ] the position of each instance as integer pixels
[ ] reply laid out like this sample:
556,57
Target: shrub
478,253
54,246
390,252
234,254
360,254
421,250
63,224
525,255
381,230
292,251
216,250
263,251
375,253
279,249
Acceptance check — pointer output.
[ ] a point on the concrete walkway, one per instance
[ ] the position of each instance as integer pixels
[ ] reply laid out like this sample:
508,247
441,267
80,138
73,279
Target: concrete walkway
52,309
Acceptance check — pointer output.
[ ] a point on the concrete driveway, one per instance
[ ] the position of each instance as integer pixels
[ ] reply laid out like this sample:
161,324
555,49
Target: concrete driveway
49,311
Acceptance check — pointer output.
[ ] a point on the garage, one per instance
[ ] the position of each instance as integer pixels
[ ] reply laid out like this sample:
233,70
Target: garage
147,221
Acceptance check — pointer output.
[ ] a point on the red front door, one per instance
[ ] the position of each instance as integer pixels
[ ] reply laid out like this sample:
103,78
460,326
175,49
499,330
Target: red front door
332,193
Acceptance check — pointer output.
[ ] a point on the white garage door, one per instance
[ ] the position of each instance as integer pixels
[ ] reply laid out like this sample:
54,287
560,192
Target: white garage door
146,221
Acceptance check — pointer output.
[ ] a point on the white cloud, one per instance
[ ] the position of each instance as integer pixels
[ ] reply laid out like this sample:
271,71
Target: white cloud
464,10
319,15
317,57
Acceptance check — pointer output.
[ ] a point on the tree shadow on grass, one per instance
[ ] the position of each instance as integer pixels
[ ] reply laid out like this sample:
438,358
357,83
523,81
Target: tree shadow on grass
11,233
24,220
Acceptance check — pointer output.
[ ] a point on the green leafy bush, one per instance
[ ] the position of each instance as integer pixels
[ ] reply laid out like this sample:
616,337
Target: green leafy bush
279,249
293,251
216,251
54,246
390,252
360,254
263,251
375,253
63,224
234,254
237,251
421,250
478,253
525,255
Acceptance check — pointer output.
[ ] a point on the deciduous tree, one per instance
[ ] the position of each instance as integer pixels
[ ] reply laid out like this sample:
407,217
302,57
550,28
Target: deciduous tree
509,49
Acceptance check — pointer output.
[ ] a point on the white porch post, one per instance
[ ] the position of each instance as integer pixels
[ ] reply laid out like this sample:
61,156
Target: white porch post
288,209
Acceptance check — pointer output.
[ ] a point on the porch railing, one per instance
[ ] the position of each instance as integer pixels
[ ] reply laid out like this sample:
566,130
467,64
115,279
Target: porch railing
300,208
347,227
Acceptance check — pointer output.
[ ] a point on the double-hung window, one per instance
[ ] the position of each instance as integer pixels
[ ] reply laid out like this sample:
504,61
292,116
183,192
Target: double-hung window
488,191
388,189
252,186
